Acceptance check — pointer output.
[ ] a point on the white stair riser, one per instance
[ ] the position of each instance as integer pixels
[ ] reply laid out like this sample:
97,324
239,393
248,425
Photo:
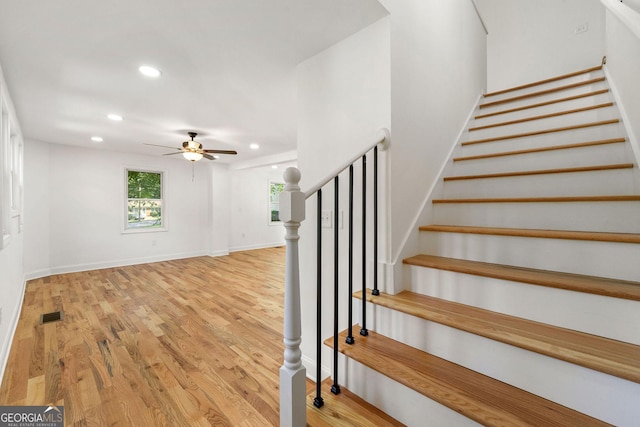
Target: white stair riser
614,318
539,99
591,392
602,259
402,403
546,86
546,109
594,133
574,157
618,181
573,119
612,217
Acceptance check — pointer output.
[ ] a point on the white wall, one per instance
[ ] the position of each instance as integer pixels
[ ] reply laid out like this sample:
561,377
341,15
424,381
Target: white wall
533,40
438,67
249,209
343,99
85,190
11,256
37,209
623,63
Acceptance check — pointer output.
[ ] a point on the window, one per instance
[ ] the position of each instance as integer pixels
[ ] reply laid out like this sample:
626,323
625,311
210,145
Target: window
145,201
275,188
5,176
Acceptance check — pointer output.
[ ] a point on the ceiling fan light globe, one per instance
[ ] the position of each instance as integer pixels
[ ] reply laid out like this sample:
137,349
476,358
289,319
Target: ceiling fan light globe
192,156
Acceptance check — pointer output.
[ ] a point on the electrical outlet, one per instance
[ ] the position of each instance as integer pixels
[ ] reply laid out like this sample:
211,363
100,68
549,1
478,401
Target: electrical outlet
326,219
582,28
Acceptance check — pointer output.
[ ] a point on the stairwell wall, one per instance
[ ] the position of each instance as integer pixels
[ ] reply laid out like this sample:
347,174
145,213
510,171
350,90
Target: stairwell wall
530,41
419,72
12,255
438,70
623,63
343,100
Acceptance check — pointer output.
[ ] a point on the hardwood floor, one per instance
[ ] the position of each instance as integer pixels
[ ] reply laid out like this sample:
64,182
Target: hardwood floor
178,343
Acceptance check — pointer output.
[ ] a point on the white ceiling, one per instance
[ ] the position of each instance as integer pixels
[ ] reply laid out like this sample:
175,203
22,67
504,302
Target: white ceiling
228,69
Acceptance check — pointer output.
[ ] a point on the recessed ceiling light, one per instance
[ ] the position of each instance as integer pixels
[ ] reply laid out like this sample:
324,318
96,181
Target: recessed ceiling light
149,71
274,166
115,117
254,146
96,139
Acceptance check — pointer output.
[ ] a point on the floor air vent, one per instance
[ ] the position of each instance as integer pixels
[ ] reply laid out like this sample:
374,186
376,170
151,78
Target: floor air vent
51,317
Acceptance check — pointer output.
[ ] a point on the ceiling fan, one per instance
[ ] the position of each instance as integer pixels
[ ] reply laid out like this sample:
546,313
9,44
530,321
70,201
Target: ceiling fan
192,150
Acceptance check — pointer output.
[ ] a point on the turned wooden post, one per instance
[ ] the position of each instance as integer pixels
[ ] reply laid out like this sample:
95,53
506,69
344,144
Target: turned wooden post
292,373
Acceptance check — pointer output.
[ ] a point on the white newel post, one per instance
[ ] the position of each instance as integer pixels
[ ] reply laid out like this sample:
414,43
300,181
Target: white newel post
292,373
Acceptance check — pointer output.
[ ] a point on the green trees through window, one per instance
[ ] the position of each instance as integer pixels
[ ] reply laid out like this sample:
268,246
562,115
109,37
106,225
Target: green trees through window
275,188
144,199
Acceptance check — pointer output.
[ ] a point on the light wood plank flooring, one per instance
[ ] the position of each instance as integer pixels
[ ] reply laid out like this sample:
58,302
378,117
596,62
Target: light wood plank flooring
179,343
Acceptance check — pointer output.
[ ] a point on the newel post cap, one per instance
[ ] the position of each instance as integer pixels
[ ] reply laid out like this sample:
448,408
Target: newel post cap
292,200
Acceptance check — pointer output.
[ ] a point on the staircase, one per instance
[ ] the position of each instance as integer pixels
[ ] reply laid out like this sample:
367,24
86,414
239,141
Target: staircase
523,307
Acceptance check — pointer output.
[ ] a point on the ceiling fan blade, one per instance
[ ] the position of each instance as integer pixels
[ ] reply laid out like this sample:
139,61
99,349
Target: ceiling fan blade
221,151
207,156
164,146
170,154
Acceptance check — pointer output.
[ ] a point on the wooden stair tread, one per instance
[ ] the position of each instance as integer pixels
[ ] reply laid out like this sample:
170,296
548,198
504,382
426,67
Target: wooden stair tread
541,149
541,172
542,92
547,234
549,199
345,410
601,354
543,104
541,82
476,396
542,132
543,116
624,289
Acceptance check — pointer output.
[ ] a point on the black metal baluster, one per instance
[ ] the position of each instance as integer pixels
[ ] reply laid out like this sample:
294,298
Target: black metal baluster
375,290
350,339
363,329
335,388
318,401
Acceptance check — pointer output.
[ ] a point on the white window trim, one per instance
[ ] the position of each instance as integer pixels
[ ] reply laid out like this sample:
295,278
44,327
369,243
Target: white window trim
272,223
5,181
165,217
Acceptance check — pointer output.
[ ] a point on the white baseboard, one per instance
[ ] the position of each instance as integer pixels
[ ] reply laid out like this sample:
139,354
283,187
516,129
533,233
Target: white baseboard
256,246
310,366
6,344
110,264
